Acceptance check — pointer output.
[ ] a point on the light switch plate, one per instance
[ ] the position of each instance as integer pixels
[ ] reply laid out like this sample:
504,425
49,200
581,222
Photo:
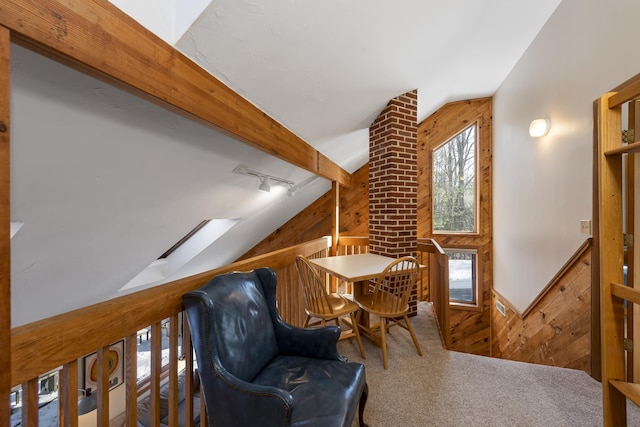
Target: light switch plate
585,226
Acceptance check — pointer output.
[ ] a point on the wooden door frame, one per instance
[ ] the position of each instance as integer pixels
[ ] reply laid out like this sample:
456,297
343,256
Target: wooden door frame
5,219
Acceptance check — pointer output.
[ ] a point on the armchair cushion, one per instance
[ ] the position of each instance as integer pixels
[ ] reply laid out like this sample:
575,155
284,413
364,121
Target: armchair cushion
255,369
320,387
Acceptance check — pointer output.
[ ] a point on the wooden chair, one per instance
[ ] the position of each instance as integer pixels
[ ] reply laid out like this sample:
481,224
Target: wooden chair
324,306
389,300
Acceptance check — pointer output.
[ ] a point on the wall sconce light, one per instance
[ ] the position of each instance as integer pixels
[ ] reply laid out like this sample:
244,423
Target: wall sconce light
267,180
539,127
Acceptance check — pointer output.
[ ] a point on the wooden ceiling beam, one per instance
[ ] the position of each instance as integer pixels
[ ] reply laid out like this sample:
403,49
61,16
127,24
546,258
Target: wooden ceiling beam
99,39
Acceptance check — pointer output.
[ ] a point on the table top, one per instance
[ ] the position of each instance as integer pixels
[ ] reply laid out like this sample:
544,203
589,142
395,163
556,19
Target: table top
353,268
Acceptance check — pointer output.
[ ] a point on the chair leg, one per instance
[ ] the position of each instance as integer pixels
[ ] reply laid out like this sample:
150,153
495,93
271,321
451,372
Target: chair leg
413,334
363,403
383,342
306,322
356,331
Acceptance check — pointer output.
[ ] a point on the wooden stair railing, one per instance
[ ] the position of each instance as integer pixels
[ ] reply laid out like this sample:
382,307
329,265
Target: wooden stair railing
609,151
352,245
61,341
436,285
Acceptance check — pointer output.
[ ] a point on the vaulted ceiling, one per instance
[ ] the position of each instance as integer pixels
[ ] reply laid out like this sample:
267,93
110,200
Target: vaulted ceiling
107,182
325,69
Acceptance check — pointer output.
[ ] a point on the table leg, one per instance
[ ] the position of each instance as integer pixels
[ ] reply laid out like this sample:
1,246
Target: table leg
362,288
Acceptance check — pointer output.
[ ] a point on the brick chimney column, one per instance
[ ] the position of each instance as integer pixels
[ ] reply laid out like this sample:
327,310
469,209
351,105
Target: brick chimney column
393,180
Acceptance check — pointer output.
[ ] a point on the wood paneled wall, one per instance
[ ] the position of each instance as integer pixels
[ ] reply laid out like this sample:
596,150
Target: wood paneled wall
556,329
469,327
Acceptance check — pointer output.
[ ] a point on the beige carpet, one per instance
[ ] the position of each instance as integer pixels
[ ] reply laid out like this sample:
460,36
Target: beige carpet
447,388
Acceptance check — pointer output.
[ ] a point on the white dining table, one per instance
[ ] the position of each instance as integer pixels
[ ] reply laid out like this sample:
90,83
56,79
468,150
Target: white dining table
357,269
353,268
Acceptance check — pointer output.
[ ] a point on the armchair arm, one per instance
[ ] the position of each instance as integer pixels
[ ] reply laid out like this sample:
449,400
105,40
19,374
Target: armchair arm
237,402
320,343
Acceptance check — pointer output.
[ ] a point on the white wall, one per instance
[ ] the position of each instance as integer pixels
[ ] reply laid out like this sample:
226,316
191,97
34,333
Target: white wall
543,187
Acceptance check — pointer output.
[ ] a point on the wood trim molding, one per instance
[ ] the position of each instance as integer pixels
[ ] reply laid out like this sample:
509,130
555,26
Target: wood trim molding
554,281
335,216
78,33
5,218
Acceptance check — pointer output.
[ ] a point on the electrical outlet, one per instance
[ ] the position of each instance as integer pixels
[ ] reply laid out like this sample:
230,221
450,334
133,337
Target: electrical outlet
585,226
501,308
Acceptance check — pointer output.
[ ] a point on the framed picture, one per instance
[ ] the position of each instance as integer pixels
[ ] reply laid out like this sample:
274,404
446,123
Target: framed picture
116,367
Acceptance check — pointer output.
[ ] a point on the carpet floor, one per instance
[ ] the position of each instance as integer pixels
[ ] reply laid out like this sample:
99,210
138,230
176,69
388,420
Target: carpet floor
448,388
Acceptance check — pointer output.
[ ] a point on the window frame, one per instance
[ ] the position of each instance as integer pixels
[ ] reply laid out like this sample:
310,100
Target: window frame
476,275
476,165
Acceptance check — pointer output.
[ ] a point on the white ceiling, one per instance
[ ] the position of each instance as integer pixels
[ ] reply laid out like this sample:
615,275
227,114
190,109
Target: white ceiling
105,182
324,69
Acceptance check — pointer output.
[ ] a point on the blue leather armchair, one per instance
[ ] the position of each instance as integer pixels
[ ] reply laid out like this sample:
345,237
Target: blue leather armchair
257,370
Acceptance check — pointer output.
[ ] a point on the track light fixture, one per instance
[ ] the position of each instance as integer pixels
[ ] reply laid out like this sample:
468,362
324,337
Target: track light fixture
264,184
266,180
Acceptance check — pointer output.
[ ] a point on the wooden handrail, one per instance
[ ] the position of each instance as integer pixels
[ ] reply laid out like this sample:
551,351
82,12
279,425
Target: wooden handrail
437,271
625,92
60,341
349,245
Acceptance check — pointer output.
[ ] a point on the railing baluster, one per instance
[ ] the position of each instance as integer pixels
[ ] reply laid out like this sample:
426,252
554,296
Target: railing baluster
68,395
173,371
156,369
30,403
103,386
131,394
187,350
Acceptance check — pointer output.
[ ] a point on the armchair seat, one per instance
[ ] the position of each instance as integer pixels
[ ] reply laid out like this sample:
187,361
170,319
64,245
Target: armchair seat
257,370
324,391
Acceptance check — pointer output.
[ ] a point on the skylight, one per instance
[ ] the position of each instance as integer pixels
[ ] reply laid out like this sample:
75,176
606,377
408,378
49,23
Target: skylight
187,248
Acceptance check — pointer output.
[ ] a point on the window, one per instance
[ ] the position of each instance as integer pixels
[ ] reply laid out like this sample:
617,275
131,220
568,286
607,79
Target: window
463,276
454,184
187,248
